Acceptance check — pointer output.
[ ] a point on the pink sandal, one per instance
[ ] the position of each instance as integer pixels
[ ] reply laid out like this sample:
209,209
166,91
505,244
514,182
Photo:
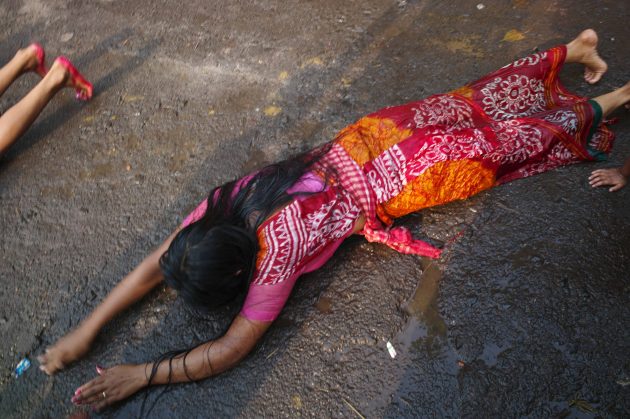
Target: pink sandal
41,59
83,87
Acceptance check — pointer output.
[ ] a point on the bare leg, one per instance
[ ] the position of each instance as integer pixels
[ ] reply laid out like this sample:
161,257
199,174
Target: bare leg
583,49
611,101
25,60
17,119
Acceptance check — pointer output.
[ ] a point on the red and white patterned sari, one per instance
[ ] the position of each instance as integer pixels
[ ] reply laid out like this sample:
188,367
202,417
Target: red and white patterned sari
516,122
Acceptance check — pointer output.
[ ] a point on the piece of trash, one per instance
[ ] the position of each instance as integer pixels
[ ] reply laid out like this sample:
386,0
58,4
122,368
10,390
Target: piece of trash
582,405
353,408
314,61
623,382
272,110
131,98
271,354
391,350
480,6
66,36
513,36
22,366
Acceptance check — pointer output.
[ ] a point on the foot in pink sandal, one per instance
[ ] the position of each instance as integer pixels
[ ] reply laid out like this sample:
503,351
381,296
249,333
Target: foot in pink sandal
41,59
82,86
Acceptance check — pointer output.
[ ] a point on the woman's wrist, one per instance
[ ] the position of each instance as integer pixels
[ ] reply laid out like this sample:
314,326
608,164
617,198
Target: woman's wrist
146,372
142,373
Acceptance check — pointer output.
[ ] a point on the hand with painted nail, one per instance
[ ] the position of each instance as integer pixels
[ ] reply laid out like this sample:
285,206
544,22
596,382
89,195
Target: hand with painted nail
616,177
66,350
112,385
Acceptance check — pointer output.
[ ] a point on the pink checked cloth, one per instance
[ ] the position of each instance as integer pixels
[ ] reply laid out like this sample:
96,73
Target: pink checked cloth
353,179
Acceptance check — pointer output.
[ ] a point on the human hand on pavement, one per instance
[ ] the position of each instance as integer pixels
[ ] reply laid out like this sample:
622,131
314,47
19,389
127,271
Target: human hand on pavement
112,385
608,177
66,350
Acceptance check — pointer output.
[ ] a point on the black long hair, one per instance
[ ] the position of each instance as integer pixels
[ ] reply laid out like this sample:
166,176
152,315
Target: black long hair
212,261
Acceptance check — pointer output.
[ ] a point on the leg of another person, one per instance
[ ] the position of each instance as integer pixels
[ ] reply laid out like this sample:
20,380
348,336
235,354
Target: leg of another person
18,118
25,60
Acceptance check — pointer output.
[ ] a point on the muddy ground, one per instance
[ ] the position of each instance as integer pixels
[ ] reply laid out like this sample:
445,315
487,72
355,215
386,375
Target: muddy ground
525,315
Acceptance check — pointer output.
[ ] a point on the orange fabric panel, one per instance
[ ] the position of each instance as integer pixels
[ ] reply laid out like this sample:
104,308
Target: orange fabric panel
464,91
368,137
262,244
443,182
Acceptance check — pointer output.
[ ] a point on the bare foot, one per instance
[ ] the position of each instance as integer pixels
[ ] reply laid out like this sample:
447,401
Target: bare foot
583,49
33,59
66,350
66,75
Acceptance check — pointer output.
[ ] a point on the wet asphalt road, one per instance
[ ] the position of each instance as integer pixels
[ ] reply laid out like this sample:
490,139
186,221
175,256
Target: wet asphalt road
525,315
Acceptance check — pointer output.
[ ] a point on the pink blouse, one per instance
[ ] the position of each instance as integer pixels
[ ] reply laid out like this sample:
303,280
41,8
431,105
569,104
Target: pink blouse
298,239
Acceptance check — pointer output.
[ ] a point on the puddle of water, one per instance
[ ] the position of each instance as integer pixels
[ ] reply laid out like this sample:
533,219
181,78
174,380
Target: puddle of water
426,329
97,171
282,322
491,354
241,101
256,160
423,304
65,191
525,257
324,305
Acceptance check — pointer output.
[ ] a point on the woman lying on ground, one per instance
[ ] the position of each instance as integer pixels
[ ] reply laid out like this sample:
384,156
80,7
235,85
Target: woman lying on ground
62,74
615,177
255,236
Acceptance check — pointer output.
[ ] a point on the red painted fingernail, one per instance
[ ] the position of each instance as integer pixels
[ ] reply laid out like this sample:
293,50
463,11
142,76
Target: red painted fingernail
77,392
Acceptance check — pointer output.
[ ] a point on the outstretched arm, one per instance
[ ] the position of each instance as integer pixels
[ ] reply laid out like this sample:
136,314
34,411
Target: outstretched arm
137,284
208,359
616,178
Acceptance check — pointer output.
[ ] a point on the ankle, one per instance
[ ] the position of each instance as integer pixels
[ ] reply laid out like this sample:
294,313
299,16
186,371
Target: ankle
579,49
22,59
57,76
